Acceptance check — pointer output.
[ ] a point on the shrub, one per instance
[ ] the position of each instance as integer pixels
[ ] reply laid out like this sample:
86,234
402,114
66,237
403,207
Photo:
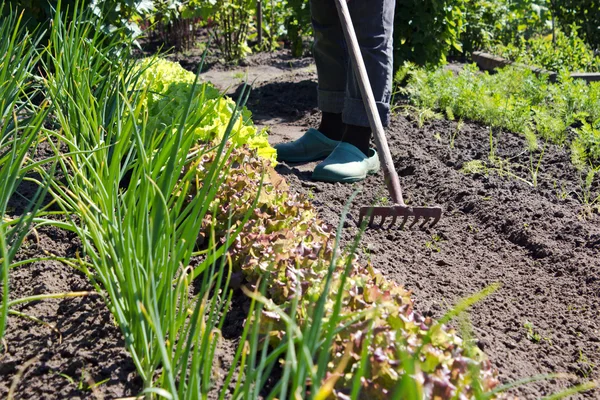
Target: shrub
568,51
117,16
584,13
425,31
490,22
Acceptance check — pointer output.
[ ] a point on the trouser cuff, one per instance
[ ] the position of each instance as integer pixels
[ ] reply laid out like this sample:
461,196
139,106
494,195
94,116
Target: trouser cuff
354,113
331,102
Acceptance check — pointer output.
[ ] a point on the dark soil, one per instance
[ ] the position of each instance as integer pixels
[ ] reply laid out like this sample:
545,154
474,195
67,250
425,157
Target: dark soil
84,354
540,243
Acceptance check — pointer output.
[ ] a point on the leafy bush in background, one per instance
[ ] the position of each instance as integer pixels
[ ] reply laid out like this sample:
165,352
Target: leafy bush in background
567,51
426,30
118,16
583,13
488,22
298,25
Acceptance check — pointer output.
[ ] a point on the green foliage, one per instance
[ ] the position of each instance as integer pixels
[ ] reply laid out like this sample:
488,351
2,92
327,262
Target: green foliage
588,140
121,193
513,99
583,13
231,22
568,52
117,16
503,21
169,87
20,125
298,25
275,14
426,31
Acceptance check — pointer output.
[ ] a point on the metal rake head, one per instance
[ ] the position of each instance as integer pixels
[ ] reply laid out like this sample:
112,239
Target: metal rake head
425,214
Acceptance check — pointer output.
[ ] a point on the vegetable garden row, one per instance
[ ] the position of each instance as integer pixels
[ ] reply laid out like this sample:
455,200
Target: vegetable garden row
170,190
177,213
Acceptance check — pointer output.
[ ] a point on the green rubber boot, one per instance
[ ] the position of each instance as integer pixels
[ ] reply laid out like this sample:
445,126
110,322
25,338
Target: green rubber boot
313,145
347,164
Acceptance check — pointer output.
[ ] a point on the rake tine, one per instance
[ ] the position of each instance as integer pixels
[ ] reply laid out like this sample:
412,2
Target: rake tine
422,225
394,219
414,221
404,222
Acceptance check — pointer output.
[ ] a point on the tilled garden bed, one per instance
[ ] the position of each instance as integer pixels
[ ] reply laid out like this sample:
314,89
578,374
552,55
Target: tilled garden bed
539,243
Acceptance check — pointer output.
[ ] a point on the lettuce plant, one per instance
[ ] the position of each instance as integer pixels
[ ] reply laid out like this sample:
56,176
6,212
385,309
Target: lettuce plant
169,85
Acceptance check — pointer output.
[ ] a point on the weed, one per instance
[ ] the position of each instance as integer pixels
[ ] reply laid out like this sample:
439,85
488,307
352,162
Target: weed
433,244
534,169
561,192
383,201
589,200
422,114
585,366
474,167
459,127
531,333
85,382
498,164
239,76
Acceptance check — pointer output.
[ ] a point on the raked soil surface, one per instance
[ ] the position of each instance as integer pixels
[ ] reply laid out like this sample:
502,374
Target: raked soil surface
539,243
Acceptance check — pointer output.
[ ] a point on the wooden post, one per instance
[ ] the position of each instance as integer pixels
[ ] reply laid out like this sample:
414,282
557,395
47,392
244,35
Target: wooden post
259,18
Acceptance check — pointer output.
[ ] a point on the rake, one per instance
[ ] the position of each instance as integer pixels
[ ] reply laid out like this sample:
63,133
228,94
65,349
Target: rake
399,209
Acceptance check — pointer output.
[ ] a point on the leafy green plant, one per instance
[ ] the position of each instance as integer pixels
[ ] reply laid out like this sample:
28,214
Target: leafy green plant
552,52
426,31
298,25
169,87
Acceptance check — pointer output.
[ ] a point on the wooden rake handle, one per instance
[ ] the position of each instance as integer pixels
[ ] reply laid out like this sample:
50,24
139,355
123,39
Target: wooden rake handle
360,71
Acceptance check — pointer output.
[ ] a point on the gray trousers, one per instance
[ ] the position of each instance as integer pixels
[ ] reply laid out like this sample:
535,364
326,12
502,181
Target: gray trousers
338,89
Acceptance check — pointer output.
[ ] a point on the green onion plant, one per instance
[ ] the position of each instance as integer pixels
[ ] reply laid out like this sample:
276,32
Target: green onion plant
125,193
20,124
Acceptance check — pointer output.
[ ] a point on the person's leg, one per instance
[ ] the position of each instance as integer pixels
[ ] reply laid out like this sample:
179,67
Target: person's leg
332,66
331,58
373,22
